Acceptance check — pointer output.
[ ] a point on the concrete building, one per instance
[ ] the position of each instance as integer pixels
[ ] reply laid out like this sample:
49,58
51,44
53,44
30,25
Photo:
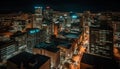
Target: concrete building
101,40
66,49
26,60
50,50
99,62
48,13
37,21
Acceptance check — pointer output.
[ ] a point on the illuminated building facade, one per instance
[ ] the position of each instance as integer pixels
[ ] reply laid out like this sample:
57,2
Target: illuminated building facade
37,21
101,40
19,25
116,32
47,27
16,21
48,23
7,49
97,36
48,13
116,27
50,50
33,38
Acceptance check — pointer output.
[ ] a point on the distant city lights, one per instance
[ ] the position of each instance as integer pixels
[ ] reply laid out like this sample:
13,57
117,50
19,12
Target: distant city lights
74,16
34,31
47,7
37,7
61,16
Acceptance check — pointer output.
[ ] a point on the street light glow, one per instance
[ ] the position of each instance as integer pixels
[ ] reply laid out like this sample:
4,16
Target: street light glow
61,16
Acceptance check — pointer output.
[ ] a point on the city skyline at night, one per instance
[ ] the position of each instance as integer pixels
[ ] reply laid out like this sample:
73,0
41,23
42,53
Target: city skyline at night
59,34
60,5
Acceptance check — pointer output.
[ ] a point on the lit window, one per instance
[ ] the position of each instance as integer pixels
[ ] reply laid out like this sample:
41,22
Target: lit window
37,30
37,7
74,16
61,16
32,31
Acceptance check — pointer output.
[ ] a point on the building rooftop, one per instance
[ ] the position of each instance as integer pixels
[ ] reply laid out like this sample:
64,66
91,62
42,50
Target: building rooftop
48,46
99,62
71,35
63,42
29,60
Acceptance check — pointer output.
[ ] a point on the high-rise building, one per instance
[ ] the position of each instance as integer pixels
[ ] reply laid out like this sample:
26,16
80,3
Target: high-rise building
33,38
98,36
38,18
98,41
48,13
101,40
116,27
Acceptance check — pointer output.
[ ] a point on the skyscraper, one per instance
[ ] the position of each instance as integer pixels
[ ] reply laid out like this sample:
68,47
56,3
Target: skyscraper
101,40
37,18
33,36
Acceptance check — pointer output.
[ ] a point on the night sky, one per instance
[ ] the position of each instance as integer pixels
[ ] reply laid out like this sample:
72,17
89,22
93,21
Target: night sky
61,5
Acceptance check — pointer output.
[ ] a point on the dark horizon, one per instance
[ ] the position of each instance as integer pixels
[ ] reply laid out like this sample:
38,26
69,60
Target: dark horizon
60,5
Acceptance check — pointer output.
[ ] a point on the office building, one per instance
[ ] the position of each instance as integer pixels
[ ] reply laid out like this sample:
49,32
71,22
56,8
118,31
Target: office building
33,38
101,40
37,20
48,13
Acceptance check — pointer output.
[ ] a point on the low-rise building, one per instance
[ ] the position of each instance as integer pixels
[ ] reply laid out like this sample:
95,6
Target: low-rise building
26,60
50,50
7,49
20,37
